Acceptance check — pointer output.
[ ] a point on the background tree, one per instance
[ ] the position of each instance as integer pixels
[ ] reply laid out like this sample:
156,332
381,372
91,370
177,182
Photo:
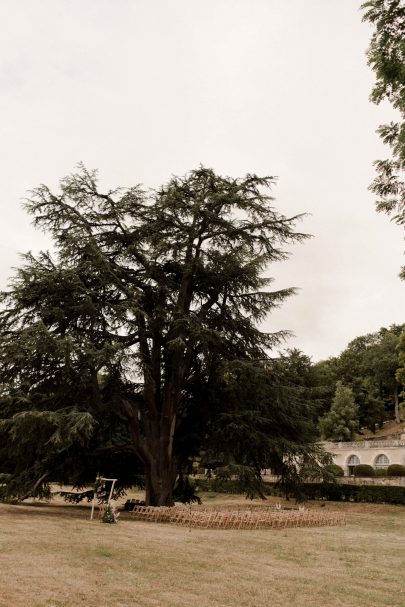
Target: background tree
147,294
266,413
381,362
400,373
325,377
368,366
342,421
353,372
386,55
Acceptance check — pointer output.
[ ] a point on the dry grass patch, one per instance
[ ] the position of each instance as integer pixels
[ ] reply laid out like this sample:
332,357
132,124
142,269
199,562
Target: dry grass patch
53,556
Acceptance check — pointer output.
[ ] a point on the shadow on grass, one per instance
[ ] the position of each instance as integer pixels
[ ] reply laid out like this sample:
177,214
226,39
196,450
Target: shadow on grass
40,509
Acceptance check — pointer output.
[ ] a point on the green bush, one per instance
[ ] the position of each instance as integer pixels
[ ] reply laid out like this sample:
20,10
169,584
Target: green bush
396,470
375,494
219,485
364,470
380,472
334,470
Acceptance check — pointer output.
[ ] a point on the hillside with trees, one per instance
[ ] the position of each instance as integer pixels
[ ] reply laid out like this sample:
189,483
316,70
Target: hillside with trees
371,367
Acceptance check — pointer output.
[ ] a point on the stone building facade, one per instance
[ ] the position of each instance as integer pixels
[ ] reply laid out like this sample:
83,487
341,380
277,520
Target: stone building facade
376,453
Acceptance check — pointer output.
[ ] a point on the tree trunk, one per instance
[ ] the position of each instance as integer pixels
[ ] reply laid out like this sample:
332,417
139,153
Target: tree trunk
154,447
159,484
160,465
159,420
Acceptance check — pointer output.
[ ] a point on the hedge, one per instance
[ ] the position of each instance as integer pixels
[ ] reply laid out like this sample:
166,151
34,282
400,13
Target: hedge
396,470
334,470
364,470
379,472
233,487
375,494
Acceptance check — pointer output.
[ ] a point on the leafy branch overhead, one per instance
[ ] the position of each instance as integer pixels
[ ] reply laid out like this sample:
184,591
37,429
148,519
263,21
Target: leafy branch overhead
386,55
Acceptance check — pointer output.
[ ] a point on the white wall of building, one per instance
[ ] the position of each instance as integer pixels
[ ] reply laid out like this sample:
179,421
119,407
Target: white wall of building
367,452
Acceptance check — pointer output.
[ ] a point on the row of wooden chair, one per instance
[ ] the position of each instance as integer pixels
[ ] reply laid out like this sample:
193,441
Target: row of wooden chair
236,519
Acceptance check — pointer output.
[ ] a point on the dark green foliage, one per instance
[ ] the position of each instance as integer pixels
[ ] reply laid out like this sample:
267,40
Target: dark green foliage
377,494
400,373
303,380
382,361
386,56
396,470
233,487
380,472
370,367
371,363
185,491
102,494
325,377
265,420
246,478
23,485
341,422
110,348
75,497
364,470
334,470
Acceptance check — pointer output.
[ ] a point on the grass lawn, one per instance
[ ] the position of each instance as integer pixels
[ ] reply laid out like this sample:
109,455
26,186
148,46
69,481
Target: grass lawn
53,556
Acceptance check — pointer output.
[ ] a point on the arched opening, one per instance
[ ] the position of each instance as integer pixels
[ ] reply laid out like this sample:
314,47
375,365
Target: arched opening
352,461
381,461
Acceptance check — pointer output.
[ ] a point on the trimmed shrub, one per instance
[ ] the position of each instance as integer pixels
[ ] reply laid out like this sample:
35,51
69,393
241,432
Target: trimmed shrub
334,470
218,485
364,470
396,470
380,472
375,494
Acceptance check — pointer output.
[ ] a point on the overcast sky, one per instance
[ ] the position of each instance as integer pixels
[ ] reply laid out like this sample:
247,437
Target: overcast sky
143,89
